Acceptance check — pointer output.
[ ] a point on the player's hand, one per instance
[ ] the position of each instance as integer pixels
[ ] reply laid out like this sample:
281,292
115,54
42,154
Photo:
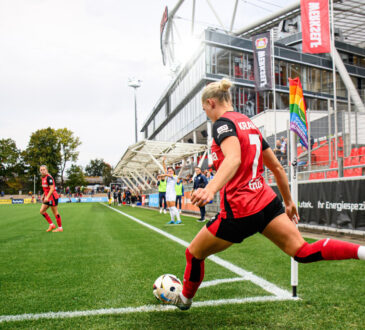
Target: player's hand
45,199
292,212
202,197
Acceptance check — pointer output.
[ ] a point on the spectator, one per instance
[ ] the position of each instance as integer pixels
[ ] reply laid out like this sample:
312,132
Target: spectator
277,150
115,197
200,181
303,160
2,193
161,183
210,176
179,189
128,196
119,197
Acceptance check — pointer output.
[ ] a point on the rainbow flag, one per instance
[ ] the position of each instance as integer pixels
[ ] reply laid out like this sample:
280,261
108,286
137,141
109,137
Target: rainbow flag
298,115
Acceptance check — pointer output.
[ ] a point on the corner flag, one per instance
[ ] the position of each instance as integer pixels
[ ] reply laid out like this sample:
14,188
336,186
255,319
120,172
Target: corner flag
298,115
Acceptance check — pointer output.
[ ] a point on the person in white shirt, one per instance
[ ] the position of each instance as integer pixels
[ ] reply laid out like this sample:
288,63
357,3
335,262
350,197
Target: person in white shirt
171,179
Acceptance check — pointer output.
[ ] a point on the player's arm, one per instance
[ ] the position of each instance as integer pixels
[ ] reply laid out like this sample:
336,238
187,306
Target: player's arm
164,164
231,149
181,170
273,164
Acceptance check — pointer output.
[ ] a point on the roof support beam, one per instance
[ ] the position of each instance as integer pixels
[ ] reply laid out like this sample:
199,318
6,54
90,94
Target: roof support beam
131,183
126,183
351,89
157,163
150,175
137,181
141,178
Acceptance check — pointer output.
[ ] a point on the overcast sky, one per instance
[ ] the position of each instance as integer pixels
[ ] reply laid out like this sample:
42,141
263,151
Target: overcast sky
66,63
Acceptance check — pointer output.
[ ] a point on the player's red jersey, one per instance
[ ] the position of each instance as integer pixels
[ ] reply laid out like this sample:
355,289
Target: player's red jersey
247,192
47,182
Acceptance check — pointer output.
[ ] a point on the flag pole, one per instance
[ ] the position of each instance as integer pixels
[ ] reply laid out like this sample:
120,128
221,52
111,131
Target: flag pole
334,81
273,80
294,194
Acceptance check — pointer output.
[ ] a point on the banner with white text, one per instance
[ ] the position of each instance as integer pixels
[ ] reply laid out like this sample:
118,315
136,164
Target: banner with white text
262,61
315,26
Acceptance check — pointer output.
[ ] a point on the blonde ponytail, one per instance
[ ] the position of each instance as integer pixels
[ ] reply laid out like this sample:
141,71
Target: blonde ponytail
219,90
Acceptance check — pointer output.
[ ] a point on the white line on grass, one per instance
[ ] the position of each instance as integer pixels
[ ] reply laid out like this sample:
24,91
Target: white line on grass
128,310
266,285
279,294
206,284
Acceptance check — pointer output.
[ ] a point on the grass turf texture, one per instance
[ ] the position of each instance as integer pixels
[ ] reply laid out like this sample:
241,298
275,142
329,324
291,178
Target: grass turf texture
105,260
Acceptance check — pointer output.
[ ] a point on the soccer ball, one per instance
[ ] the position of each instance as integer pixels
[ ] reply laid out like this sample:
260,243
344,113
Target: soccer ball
167,282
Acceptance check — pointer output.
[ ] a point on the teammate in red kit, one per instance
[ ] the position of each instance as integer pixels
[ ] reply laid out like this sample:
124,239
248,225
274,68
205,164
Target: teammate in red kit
49,199
248,204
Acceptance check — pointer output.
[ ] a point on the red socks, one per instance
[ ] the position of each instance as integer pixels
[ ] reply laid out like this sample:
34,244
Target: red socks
193,276
47,218
58,219
327,249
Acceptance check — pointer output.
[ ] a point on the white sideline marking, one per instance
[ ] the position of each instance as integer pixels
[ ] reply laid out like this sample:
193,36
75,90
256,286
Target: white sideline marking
128,310
266,285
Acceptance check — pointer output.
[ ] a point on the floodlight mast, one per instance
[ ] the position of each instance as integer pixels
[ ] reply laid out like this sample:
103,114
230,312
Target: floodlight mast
135,83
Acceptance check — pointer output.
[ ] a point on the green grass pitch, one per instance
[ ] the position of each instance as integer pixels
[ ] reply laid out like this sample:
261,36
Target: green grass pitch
105,260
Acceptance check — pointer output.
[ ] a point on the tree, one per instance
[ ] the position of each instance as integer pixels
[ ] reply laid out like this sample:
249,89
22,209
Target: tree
107,174
12,168
43,149
95,167
76,177
10,158
68,145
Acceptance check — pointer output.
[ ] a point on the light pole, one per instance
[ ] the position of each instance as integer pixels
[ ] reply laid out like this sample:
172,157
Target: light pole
135,83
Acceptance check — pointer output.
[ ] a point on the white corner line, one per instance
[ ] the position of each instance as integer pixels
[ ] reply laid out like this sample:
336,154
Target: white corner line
128,310
266,285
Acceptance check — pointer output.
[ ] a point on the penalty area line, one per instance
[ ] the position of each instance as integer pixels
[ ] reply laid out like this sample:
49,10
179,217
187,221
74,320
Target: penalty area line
129,310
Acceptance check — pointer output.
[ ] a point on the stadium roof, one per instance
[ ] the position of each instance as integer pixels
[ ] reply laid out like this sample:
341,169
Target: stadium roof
147,155
349,17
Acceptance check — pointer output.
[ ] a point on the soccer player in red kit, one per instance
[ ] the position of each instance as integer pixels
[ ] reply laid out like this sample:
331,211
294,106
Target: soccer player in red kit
248,204
50,199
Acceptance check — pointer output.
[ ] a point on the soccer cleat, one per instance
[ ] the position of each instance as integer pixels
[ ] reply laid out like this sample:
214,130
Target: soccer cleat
58,230
173,298
180,211
51,227
161,210
200,220
171,222
178,222
164,211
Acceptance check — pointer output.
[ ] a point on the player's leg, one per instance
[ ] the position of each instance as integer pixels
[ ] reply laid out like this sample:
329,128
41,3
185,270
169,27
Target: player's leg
176,211
160,201
58,218
203,245
172,213
287,237
43,211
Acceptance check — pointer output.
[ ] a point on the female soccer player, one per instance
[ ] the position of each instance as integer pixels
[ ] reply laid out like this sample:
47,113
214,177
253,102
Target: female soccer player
49,199
248,204
171,180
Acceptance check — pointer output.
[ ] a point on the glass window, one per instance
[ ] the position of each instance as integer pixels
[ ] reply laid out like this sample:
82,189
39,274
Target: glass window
282,101
223,62
315,80
283,74
237,64
249,71
295,70
340,86
211,59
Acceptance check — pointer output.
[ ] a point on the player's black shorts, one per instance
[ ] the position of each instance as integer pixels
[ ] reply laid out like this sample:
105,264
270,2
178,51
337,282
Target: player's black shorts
235,230
52,202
